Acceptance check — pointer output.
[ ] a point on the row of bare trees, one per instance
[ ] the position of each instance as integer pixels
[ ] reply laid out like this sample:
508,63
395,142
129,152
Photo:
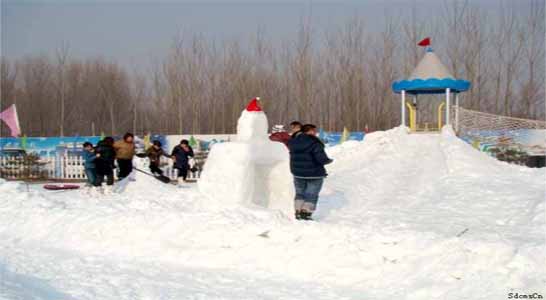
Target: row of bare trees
335,77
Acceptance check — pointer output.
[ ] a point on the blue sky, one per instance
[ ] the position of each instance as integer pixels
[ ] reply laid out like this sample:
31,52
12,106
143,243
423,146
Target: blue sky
133,32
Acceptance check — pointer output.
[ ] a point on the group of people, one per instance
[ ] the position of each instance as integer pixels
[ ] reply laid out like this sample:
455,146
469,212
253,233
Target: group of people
100,161
307,161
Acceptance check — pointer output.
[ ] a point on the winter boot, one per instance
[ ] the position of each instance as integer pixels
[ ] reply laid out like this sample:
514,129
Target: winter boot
298,214
305,215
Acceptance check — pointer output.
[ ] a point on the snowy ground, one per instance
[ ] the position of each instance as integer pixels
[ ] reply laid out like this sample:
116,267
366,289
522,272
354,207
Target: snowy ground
401,216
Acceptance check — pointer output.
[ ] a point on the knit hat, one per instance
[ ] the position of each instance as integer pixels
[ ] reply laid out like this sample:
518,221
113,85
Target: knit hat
277,128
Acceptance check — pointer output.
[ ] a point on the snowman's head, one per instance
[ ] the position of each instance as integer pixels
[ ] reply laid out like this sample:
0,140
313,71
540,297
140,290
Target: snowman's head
252,124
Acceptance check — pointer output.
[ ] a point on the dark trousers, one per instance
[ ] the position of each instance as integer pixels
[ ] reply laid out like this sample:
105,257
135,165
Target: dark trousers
125,167
104,172
154,168
91,175
307,192
183,171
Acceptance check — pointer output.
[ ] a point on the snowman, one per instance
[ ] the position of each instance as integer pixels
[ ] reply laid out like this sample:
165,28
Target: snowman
251,170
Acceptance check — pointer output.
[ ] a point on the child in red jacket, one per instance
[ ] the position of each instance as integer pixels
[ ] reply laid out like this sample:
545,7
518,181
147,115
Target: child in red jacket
278,134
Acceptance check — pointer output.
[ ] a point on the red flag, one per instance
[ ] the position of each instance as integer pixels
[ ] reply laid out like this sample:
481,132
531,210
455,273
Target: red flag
425,42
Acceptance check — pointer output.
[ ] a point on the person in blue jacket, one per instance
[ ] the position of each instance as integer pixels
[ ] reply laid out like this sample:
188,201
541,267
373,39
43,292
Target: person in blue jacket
181,155
89,157
307,160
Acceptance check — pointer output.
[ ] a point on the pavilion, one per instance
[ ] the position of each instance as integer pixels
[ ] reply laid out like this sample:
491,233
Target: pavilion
430,77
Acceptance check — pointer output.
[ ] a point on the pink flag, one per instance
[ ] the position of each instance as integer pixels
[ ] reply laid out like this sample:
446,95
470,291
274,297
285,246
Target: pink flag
9,116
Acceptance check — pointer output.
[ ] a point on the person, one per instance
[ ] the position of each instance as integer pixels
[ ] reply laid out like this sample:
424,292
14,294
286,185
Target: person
89,157
104,163
307,160
279,135
154,154
125,151
181,155
146,140
295,128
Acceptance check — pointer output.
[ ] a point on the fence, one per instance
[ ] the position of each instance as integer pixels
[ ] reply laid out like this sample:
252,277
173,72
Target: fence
71,167
473,122
515,140
25,167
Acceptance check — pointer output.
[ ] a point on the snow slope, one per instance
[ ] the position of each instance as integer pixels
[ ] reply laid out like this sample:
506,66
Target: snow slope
403,216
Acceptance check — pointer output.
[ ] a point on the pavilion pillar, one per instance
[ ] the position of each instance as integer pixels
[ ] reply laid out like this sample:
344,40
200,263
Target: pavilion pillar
456,112
415,106
403,109
447,106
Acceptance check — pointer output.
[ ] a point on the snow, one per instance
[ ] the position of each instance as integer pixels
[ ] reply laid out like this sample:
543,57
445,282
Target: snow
401,216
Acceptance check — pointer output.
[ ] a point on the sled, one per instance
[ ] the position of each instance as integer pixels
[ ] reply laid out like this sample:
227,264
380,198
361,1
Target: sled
57,187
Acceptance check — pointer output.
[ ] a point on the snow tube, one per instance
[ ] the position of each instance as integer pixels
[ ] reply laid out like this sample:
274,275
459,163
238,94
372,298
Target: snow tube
61,187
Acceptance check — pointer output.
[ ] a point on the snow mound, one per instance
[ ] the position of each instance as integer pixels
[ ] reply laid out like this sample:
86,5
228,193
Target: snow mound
401,216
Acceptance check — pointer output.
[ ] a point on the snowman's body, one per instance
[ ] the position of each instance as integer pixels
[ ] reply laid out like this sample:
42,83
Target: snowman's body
250,170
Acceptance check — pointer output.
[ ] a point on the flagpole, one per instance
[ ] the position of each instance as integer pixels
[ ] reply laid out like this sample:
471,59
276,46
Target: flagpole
17,118
402,109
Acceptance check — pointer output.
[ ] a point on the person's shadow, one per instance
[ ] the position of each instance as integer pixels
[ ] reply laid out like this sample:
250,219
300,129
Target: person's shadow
329,202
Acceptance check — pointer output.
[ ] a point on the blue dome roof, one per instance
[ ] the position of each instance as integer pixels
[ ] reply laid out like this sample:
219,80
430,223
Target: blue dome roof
431,85
430,76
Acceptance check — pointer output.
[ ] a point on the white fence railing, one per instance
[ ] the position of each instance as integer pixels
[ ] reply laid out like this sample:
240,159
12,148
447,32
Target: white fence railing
67,167
29,167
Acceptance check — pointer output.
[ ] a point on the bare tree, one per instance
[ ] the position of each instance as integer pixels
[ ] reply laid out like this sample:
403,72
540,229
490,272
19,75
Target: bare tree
338,77
60,82
533,56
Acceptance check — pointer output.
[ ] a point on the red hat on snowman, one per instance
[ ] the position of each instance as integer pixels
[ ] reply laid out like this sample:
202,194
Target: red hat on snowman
254,105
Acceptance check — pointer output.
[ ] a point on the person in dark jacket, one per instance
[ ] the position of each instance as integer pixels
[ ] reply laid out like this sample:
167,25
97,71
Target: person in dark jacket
89,157
104,163
154,154
181,155
307,160
295,127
